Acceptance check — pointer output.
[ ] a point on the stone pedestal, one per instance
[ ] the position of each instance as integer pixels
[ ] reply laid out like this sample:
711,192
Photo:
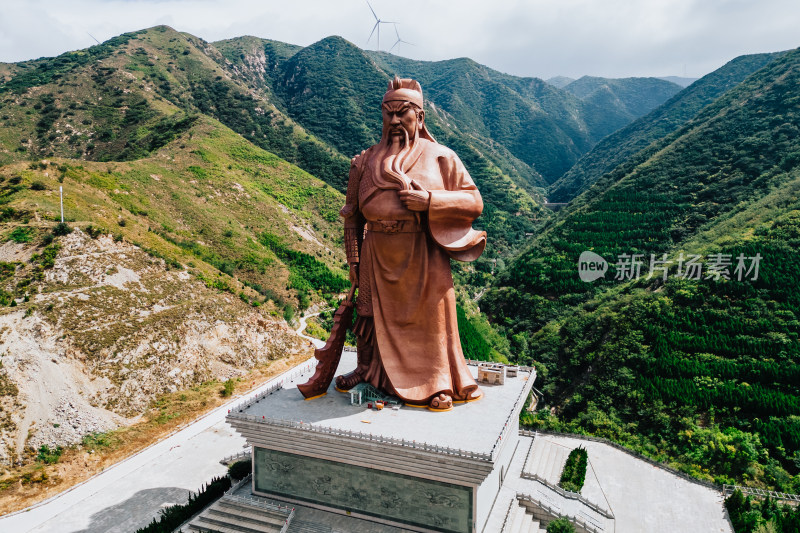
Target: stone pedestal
408,467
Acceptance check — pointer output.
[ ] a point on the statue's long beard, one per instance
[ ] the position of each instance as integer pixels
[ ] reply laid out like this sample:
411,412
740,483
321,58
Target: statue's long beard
393,158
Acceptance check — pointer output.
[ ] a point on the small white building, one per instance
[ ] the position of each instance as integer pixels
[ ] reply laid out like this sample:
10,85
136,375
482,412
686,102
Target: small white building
492,373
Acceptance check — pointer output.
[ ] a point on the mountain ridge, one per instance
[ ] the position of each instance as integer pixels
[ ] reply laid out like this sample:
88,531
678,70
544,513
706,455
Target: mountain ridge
625,142
668,366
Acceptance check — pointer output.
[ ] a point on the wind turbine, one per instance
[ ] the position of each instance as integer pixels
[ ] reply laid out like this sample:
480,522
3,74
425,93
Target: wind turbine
377,26
399,40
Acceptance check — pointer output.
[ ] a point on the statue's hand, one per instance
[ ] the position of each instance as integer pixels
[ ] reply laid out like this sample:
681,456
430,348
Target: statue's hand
354,274
415,200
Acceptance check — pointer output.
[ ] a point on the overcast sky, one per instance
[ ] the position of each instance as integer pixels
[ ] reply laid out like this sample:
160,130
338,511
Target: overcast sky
542,38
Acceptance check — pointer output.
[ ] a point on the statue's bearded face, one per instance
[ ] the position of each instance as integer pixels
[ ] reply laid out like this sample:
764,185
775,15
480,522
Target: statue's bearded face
399,116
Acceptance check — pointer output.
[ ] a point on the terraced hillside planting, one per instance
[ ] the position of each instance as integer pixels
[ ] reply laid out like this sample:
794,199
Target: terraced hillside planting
665,119
696,369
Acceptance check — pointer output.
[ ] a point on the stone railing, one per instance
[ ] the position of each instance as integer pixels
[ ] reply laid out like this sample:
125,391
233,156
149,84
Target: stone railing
235,458
727,490
553,514
511,505
236,486
523,368
289,376
325,430
261,503
620,447
523,396
525,474
288,522
528,456
568,494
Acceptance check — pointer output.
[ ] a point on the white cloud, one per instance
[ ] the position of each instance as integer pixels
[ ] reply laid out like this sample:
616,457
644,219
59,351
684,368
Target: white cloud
540,38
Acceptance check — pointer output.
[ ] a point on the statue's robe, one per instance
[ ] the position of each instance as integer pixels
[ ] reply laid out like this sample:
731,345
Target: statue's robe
405,282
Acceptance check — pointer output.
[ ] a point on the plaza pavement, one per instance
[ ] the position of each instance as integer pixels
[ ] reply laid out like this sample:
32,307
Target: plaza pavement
643,497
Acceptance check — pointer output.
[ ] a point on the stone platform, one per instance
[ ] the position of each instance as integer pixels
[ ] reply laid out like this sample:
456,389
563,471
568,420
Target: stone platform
410,468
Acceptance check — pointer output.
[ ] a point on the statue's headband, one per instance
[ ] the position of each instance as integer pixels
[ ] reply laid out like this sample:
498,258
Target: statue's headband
405,90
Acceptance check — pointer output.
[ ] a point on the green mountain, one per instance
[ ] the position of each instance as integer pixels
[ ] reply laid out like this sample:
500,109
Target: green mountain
680,80
542,125
559,81
333,89
701,373
322,87
146,104
135,77
622,144
634,96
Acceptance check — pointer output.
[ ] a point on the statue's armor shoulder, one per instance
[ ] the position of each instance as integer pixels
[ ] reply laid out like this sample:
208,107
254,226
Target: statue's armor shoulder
360,159
436,150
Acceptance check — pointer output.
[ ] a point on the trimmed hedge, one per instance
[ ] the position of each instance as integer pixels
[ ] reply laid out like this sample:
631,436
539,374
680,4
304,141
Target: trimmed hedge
174,516
240,469
574,473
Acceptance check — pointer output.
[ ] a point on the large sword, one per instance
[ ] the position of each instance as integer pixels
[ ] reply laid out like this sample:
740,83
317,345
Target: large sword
329,355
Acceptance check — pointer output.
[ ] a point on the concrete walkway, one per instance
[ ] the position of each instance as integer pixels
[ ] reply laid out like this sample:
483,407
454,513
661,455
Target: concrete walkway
644,497
128,495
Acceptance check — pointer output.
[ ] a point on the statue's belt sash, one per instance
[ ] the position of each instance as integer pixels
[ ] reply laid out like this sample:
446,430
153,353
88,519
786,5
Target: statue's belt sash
394,226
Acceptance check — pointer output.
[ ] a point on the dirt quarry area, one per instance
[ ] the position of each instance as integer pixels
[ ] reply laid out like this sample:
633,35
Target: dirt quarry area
109,351
36,481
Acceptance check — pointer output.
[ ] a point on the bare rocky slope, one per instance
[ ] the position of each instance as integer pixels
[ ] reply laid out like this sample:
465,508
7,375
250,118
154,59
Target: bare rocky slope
106,329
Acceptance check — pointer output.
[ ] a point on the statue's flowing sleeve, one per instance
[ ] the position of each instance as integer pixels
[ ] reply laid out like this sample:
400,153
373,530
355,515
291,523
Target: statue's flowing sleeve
453,210
353,219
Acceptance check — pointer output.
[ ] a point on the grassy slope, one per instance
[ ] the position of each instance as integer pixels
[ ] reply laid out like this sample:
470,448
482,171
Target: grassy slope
206,200
620,145
137,93
686,371
114,102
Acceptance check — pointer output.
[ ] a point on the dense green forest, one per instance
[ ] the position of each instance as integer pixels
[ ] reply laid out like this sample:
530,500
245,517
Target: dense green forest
622,144
694,368
634,96
749,515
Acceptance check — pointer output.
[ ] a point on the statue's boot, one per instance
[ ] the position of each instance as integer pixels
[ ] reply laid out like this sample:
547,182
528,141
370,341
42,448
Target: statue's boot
471,396
345,382
444,402
441,402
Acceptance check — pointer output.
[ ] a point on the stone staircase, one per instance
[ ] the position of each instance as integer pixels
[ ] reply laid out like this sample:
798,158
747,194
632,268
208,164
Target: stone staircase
520,521
305,526
236,515
547,460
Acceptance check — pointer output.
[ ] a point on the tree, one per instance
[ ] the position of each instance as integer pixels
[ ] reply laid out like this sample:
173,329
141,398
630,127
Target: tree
562,525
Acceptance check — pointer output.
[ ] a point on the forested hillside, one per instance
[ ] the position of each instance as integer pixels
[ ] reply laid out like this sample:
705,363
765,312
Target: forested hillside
544,126
622,144
698,369
634,96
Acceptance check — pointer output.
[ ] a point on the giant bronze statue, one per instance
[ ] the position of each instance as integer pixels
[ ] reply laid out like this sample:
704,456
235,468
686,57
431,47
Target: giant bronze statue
409,209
